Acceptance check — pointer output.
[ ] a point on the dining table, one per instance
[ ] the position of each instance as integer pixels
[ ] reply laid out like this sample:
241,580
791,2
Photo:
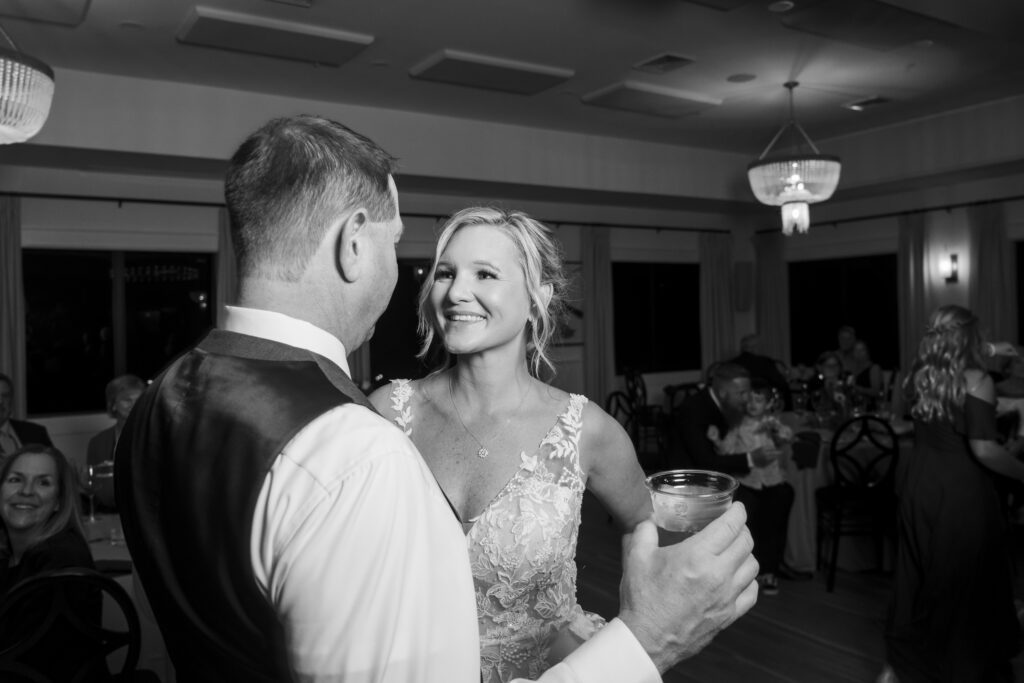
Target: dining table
855,553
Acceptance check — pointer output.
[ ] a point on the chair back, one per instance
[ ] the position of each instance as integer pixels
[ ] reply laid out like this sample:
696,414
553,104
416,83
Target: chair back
678,393
619,407
636,389
54,602
863,455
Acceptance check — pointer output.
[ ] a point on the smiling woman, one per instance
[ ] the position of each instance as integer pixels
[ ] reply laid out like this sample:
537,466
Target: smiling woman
40,532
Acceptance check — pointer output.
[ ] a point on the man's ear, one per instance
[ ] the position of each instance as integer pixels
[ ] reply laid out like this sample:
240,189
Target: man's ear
352,245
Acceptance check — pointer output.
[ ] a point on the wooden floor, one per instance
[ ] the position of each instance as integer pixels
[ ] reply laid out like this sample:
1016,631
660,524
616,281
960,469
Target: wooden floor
802,635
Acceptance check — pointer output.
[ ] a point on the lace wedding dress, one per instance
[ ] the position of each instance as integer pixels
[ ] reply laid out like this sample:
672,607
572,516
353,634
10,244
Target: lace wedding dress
522,549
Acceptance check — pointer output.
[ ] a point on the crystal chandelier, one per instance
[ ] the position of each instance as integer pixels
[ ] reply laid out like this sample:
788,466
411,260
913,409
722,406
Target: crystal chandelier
26,91
793,181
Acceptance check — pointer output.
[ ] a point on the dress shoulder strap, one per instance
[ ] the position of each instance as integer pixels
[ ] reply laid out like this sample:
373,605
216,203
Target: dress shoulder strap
401,392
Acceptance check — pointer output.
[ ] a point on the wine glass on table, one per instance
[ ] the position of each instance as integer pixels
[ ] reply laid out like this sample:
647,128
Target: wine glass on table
90,482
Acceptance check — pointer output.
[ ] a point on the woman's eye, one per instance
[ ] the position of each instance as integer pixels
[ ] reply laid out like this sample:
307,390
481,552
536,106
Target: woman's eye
486,275
442,274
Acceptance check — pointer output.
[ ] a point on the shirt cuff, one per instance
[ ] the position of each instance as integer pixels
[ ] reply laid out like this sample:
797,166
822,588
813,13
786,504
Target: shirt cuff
613,655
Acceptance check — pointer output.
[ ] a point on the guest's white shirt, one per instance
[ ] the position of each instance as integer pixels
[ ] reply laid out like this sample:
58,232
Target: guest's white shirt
363,559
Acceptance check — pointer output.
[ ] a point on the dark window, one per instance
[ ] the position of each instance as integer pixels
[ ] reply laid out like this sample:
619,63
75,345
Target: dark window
827,294
395,343
92,315
657,316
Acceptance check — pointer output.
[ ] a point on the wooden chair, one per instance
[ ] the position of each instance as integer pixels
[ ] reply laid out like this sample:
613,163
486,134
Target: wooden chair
860,501
65,606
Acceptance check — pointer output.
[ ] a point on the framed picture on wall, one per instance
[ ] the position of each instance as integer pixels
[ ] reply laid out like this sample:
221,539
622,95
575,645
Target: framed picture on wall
570,333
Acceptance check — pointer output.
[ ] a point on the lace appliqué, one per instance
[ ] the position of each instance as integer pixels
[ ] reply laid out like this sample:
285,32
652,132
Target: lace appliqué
400,395
522,551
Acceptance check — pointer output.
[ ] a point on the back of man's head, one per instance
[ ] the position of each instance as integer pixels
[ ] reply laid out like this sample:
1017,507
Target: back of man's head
289,181
724,373
749,343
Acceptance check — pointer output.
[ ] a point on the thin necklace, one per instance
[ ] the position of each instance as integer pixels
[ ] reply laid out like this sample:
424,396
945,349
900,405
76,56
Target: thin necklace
483,452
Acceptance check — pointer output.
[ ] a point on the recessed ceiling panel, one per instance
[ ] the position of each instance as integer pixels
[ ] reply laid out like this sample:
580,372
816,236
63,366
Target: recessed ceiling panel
218,28
724,5
63,12
489,73
650,99
867,23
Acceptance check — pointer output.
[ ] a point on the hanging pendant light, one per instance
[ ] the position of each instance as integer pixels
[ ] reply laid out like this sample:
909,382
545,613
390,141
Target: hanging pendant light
26,91
793,181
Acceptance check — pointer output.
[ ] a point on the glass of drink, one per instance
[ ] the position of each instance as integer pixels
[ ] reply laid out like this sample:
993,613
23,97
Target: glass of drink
685,501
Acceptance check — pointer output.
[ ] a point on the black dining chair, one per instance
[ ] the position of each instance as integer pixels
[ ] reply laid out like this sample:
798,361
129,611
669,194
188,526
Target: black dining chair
57,614
650,423
861,500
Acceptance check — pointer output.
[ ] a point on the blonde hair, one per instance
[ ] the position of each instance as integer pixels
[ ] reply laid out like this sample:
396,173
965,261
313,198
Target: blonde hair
66,513
541,260
950,345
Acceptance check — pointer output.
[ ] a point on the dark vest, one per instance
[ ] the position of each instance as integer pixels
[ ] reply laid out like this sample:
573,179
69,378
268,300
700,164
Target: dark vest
189,467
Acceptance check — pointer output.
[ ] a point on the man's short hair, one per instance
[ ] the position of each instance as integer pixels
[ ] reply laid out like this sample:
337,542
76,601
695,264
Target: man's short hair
749,342
847,328
290,180
727,372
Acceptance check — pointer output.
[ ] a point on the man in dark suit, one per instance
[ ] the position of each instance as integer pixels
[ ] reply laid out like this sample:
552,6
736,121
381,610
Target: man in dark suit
763,368
16,433
721,405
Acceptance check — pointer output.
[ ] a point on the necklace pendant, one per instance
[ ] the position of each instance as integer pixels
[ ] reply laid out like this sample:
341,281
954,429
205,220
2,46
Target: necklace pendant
482,453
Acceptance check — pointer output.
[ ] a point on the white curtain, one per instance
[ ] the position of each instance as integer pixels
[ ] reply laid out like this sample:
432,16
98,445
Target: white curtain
12,301
772,302
912,276
992,290
227,267
717,321
598,320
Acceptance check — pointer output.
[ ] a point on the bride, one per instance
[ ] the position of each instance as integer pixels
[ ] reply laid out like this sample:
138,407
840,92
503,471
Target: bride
511,453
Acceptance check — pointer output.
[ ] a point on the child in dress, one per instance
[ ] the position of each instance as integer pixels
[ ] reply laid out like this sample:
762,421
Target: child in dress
764,491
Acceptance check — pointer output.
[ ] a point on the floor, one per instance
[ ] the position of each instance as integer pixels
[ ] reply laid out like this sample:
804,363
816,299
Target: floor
803,635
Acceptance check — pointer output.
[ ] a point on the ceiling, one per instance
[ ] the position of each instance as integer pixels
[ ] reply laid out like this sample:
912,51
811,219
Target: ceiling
920,56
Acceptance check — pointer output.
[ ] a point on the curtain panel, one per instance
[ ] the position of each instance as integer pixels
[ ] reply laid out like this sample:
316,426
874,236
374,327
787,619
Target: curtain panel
911,271
772,302
992,290
717,322
227,267
598,318
12,301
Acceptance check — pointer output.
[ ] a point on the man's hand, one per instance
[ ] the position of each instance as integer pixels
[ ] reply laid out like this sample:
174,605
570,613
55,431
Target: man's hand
762,456
676,599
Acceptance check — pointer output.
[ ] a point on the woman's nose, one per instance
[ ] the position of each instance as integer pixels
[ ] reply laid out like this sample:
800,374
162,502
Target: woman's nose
459,289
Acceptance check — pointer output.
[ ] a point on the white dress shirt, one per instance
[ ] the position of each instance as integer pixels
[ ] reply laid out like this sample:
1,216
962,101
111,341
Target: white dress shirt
363,559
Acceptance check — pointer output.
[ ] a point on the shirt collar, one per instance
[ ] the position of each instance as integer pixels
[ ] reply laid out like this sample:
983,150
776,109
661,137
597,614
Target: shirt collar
285,329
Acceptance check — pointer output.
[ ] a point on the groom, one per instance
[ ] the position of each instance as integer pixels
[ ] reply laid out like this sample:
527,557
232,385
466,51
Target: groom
282,529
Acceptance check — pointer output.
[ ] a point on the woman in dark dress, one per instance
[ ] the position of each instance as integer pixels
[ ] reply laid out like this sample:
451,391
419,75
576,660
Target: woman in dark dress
40,532
952,615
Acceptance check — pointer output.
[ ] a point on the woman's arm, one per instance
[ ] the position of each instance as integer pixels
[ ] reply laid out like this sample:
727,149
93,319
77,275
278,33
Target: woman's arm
613,474
990,453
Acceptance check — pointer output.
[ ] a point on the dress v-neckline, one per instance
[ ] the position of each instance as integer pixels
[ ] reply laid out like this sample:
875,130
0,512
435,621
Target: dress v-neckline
468,526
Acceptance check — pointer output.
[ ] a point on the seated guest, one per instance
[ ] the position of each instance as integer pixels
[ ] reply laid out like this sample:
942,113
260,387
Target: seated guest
41,532
764,491
763,368
14,433
827,388
846,337
721,405
866,375
122,392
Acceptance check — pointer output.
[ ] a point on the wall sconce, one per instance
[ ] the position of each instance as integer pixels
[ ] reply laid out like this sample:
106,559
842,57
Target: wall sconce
948,268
